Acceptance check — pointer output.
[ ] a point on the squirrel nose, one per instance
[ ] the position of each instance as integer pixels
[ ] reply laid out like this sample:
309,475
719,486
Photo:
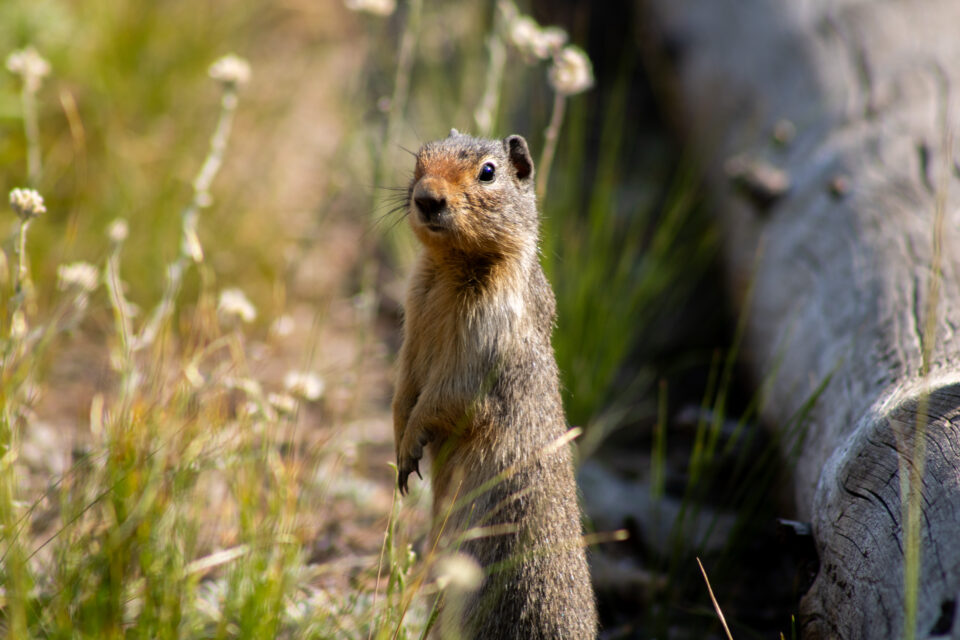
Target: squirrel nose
429,203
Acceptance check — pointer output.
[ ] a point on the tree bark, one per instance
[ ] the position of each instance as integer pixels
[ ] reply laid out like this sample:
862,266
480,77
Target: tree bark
827,127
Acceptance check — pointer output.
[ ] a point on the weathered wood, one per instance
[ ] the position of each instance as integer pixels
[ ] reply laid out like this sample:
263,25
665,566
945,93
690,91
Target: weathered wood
846,287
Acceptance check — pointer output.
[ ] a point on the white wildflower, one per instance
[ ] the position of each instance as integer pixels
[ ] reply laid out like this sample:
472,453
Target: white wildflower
248,385
283,326
459,572
26,203
374,7
234,303
549,41
524,32
118,231
29,65
231,70
284,403
81,275
252,409
531,39
571,71
305,384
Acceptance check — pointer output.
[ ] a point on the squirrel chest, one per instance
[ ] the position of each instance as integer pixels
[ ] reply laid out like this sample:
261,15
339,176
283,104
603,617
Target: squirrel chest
469,326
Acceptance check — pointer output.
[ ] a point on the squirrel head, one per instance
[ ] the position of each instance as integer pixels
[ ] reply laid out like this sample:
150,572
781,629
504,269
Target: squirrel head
474,196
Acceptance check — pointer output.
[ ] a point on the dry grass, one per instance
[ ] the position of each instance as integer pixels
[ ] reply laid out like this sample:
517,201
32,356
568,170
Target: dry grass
162,473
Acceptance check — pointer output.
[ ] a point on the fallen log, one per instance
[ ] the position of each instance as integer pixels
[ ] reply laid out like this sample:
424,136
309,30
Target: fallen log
827,127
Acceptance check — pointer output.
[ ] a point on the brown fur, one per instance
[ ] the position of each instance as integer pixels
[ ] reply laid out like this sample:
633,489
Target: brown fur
478,385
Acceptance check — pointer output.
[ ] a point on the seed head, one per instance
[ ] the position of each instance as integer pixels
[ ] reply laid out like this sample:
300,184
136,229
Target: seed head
534,41
373,7
82,275
234,304
283,403
524,33
305,384
26,203
549,42
29,65
459,572
283,326
233,71
118,231
249,386
571,71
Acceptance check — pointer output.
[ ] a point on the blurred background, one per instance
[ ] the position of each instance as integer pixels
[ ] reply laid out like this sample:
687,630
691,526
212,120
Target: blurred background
199,441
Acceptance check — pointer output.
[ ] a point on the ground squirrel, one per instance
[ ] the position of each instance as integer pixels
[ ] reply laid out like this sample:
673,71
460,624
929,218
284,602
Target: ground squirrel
478,386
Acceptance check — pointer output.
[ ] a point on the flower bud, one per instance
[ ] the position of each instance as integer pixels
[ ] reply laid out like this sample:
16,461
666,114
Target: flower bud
26,203
233,71
571,71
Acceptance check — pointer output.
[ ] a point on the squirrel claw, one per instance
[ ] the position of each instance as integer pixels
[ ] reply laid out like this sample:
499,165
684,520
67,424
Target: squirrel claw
408,458
406,468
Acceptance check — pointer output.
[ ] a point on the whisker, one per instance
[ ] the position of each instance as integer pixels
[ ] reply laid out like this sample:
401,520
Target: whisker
380,220
394,197
396,222
391,213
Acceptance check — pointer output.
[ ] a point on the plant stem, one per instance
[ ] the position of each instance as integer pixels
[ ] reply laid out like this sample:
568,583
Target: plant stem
31,130
121,319
16,580
22,271
190,247
396,247
486,114
912,472
550,143
401,86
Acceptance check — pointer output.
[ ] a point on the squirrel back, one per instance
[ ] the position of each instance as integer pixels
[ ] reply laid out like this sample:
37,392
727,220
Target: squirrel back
478,386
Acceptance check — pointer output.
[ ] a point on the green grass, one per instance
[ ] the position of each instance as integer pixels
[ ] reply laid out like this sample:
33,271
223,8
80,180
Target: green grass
192,502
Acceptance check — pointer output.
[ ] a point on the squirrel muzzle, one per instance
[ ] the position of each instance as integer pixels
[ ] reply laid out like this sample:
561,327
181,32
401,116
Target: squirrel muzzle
431,205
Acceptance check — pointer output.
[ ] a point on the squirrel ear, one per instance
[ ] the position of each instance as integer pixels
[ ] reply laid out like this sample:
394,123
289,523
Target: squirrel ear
453,132
520,158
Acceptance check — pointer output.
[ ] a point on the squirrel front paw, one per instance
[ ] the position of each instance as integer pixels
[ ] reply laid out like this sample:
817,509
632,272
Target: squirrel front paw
409,454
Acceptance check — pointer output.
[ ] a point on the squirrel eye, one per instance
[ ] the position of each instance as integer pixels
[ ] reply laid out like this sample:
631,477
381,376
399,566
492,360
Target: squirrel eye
487,172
